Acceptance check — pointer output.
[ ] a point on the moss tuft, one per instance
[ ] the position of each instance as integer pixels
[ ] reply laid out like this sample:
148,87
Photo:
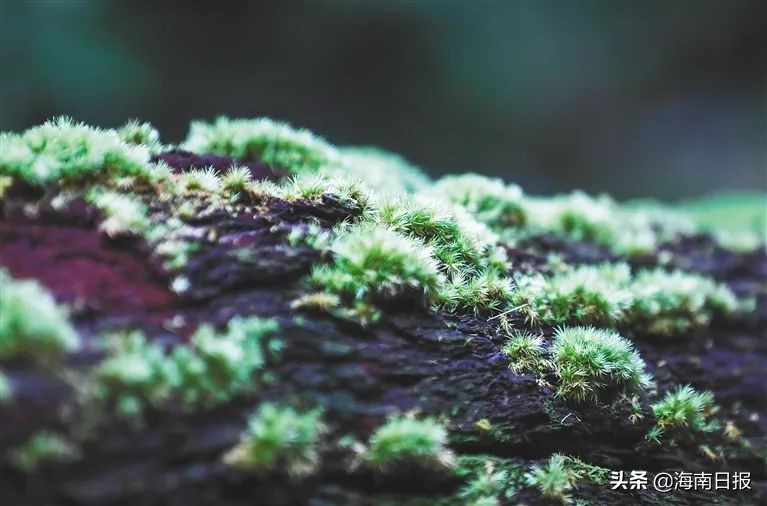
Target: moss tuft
685,408
555,479
32,325
42,448
61,151
588,360
377,264
262,139
406,440
279,439
526,352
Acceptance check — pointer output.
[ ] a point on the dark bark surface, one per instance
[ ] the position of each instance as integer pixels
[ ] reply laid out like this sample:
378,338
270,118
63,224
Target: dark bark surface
440,364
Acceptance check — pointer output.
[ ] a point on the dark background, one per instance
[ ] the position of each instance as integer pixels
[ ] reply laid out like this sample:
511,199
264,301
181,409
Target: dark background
663,99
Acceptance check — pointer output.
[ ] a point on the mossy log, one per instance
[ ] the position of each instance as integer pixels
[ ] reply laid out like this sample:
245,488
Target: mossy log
413,359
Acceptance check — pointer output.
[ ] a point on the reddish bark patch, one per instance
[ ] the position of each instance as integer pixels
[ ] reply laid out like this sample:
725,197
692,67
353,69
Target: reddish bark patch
183,161
81,269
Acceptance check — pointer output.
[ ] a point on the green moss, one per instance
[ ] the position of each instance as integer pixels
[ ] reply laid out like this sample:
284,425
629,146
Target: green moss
525,352
407,440
482,293
555,479
595,295
125,215
211,370
561,474
489,200
144,134
461,244
587,360
279,439
313,187
666,303
62,151
488,478
385,172
43,448
32,325
236,179
685,408
274,143
670,303
377,264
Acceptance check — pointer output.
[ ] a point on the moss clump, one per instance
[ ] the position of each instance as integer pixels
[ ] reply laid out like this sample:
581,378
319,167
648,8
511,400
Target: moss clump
141,134
376,264
42,448
263,139
481,293
668,303
525,352
32,325
125,215
555,479
488,478
587,360
685,408
313,187
489,200
461,244
595,295
387,172
61,151
212,369
406,440
279,439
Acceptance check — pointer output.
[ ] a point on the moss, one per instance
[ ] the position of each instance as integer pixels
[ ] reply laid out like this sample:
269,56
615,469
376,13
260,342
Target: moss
125,215
236,179
43,448
313,187
263,139
685,408
375,264
595,295
525,352
588,360
279,438
407,440
666,303
485,292
211,370
561,474
461,244
489,200
385,172
32,325
64,151
488,478
669,303
141,134
555,479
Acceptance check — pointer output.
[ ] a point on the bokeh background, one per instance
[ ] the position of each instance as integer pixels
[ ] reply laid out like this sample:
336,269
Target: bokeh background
639,99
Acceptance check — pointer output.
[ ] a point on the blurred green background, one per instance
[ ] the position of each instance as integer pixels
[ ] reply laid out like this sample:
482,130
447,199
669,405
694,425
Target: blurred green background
658,99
